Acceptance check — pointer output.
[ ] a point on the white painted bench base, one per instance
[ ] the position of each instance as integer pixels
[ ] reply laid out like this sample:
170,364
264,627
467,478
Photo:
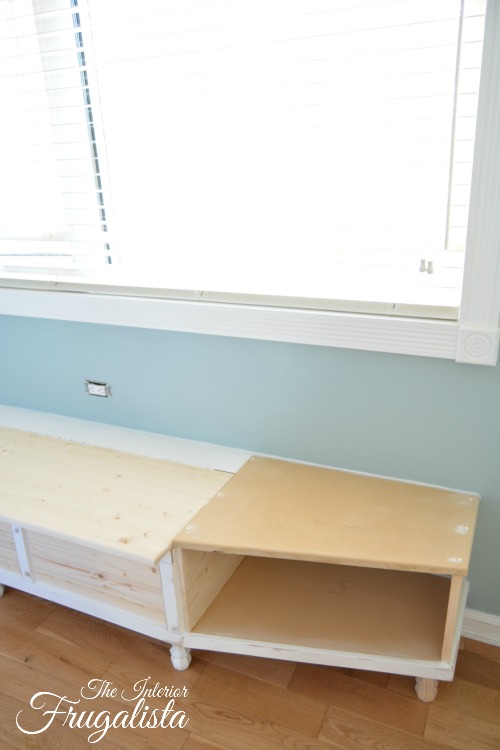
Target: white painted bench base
426,687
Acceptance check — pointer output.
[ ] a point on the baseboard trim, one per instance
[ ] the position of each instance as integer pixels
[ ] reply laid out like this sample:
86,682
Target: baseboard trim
481,626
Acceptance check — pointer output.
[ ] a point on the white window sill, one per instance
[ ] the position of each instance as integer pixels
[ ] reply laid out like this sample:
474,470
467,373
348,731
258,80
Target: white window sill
381,333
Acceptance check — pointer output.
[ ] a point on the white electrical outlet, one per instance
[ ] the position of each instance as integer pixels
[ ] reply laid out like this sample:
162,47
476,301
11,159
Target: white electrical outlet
97,389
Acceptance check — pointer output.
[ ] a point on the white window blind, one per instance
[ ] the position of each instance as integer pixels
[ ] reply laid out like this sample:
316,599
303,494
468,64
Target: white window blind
52,212
301,152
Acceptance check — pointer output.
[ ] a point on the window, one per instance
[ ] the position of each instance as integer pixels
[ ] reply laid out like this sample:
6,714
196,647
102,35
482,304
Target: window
308,161
52,204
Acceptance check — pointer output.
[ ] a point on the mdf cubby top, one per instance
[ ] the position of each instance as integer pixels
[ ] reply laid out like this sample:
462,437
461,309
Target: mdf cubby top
277,508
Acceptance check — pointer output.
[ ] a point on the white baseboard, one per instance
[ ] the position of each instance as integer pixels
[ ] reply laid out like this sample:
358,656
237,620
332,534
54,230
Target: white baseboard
481,626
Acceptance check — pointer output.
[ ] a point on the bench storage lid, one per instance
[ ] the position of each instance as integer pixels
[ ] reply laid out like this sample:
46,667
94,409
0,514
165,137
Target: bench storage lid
106,499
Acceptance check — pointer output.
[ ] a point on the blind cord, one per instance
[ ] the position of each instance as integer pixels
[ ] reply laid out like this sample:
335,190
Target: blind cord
89,115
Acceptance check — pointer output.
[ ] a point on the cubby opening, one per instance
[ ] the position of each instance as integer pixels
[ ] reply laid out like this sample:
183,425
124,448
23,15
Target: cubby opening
317,605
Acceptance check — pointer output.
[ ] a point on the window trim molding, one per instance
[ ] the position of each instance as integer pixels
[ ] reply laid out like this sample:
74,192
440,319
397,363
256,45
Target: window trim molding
478,332
473,339
431,338
474,344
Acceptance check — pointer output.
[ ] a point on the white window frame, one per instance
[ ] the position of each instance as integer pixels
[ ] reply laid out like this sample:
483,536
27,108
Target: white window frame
473,339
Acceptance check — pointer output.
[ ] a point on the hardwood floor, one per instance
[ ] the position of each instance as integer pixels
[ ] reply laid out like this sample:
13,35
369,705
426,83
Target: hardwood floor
232,702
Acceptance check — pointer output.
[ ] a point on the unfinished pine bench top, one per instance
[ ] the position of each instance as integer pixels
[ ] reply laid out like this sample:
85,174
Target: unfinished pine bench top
89,527
313,564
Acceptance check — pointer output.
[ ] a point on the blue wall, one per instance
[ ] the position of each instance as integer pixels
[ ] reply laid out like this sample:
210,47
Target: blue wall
416,418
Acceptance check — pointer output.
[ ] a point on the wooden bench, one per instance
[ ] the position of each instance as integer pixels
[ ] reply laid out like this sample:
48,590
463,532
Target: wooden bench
89,527
312,564
280,560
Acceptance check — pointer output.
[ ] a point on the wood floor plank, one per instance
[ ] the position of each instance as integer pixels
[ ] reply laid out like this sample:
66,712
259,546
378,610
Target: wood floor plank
471,699
26,643
457,730
300,713
402,685
31,680
374,678
122,679
22,679
102,638
64,736
194,742
147,739
7,746
55,737
127,675
484,649
268,670
219,723
464,697
478,669
345,730
24,609
223,725
233,702
28,669
351,694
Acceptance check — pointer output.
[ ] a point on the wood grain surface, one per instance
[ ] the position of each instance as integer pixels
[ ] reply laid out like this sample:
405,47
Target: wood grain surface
277,508
101,498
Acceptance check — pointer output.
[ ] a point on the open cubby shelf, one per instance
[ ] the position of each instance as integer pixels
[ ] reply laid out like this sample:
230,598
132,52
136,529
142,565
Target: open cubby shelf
302,562
335,607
